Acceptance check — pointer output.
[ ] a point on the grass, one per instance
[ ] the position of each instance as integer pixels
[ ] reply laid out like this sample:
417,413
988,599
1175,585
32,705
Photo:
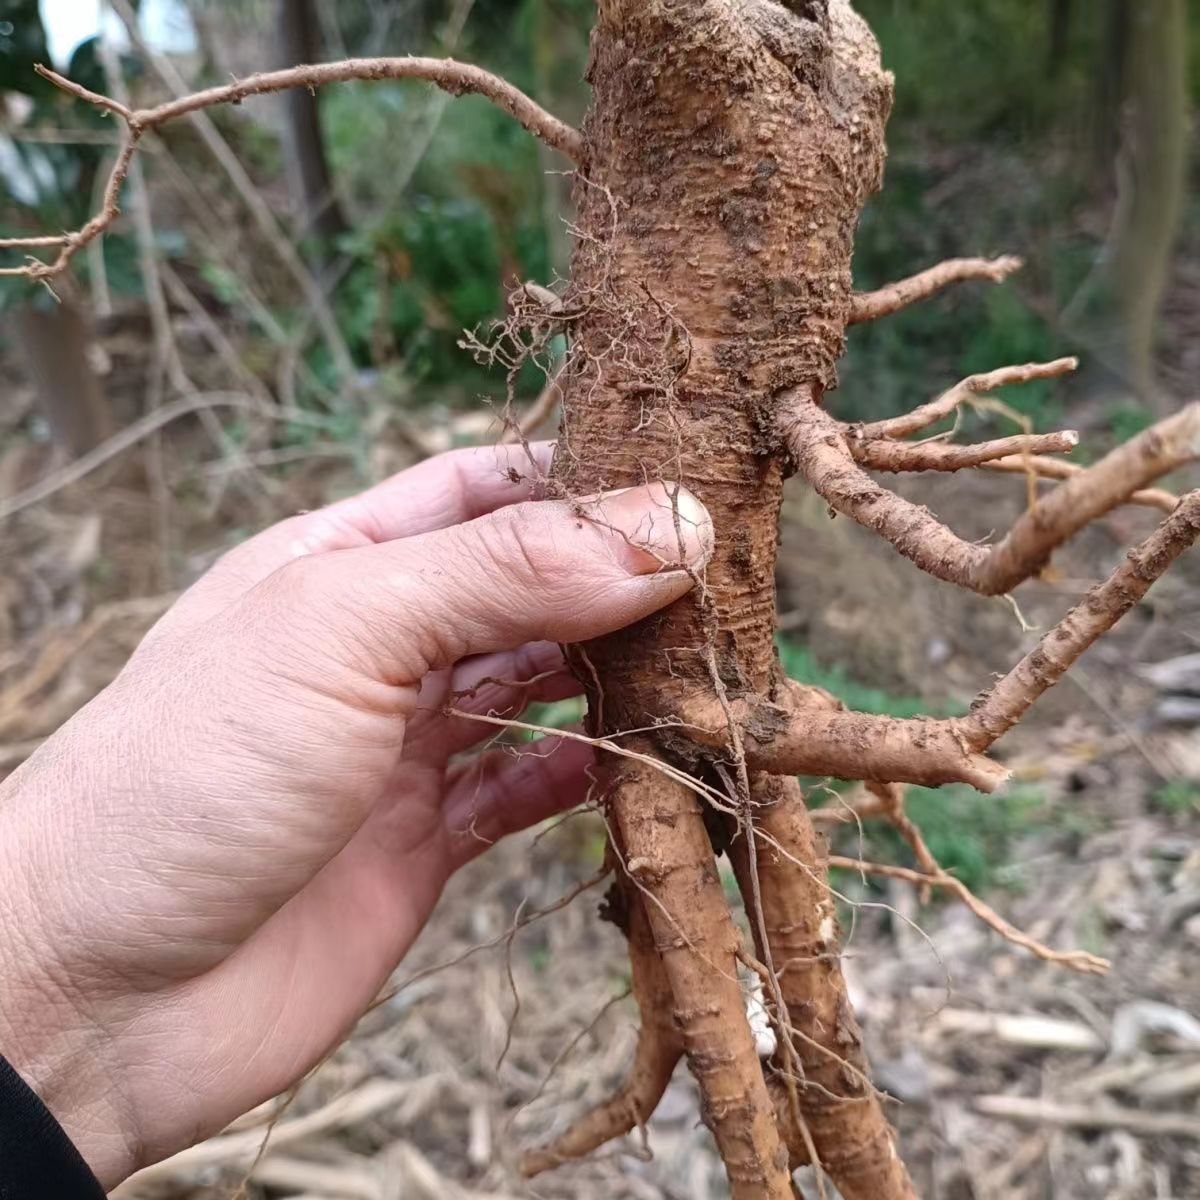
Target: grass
1178,797
803,666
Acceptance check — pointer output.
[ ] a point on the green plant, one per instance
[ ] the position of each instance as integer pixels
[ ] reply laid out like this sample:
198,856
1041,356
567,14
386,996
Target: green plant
801,664
1177,797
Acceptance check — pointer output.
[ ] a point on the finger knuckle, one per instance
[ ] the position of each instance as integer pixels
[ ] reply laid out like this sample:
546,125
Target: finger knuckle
525,549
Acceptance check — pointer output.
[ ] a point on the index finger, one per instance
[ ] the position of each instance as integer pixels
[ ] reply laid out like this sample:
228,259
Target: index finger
438,493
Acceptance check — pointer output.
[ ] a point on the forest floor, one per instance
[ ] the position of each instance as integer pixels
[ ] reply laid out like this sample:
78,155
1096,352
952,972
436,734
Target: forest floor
1012,1077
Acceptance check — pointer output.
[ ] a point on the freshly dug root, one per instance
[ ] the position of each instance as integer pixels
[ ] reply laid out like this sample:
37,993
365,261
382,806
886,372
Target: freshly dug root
844,745
820,448
870,306
963,392
659,1046
1076,960
998,709
884,454
852,1137
669,856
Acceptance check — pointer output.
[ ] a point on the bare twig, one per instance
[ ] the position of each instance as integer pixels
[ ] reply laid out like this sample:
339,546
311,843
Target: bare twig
1089,1116
454,77
869,306
1077,960
130,436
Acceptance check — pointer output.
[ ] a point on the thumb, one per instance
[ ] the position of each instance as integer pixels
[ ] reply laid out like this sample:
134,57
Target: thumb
559,570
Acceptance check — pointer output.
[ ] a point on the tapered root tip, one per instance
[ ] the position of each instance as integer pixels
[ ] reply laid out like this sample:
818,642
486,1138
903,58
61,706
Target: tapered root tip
1006,265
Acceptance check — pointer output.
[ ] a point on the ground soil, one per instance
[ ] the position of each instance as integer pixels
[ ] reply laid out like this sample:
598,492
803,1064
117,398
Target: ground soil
1107,867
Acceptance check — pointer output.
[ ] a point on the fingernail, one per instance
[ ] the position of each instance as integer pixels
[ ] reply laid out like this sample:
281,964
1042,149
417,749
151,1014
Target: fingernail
662,526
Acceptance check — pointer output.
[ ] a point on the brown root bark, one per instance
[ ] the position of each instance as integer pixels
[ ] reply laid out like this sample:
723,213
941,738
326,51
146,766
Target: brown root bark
726,156
659,1047
669,856
845,745
870,306
951,400
884,454
852,1137
998,709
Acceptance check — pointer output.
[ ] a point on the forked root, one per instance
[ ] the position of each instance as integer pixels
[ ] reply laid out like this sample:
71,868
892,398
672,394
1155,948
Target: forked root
669,856
854,1142
826,453
659,1046
796,737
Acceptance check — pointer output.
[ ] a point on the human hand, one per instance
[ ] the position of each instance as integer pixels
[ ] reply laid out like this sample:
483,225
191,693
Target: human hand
211,870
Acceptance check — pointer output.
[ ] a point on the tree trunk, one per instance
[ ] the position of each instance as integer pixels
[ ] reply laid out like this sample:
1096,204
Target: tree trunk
1141,144
300,42
1060,36
728,152
54,341
1152,177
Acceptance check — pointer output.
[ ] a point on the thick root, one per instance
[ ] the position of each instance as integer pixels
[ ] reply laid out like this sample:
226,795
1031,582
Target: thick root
670,857
853,1139
659,1047
805,740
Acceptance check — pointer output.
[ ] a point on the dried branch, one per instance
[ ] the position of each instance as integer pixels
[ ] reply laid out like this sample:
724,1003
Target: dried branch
454,77
127,437
886,454
1089,1116
1077,960
870,306
821,448
1057,468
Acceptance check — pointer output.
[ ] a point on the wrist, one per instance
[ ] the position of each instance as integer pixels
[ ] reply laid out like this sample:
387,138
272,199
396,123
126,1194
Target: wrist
60,1049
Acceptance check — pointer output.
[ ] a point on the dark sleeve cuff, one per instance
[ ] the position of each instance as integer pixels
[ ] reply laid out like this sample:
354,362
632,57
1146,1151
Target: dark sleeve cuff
37,1159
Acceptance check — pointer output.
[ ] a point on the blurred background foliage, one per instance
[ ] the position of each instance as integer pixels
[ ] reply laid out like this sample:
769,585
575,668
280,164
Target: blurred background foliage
1007,136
